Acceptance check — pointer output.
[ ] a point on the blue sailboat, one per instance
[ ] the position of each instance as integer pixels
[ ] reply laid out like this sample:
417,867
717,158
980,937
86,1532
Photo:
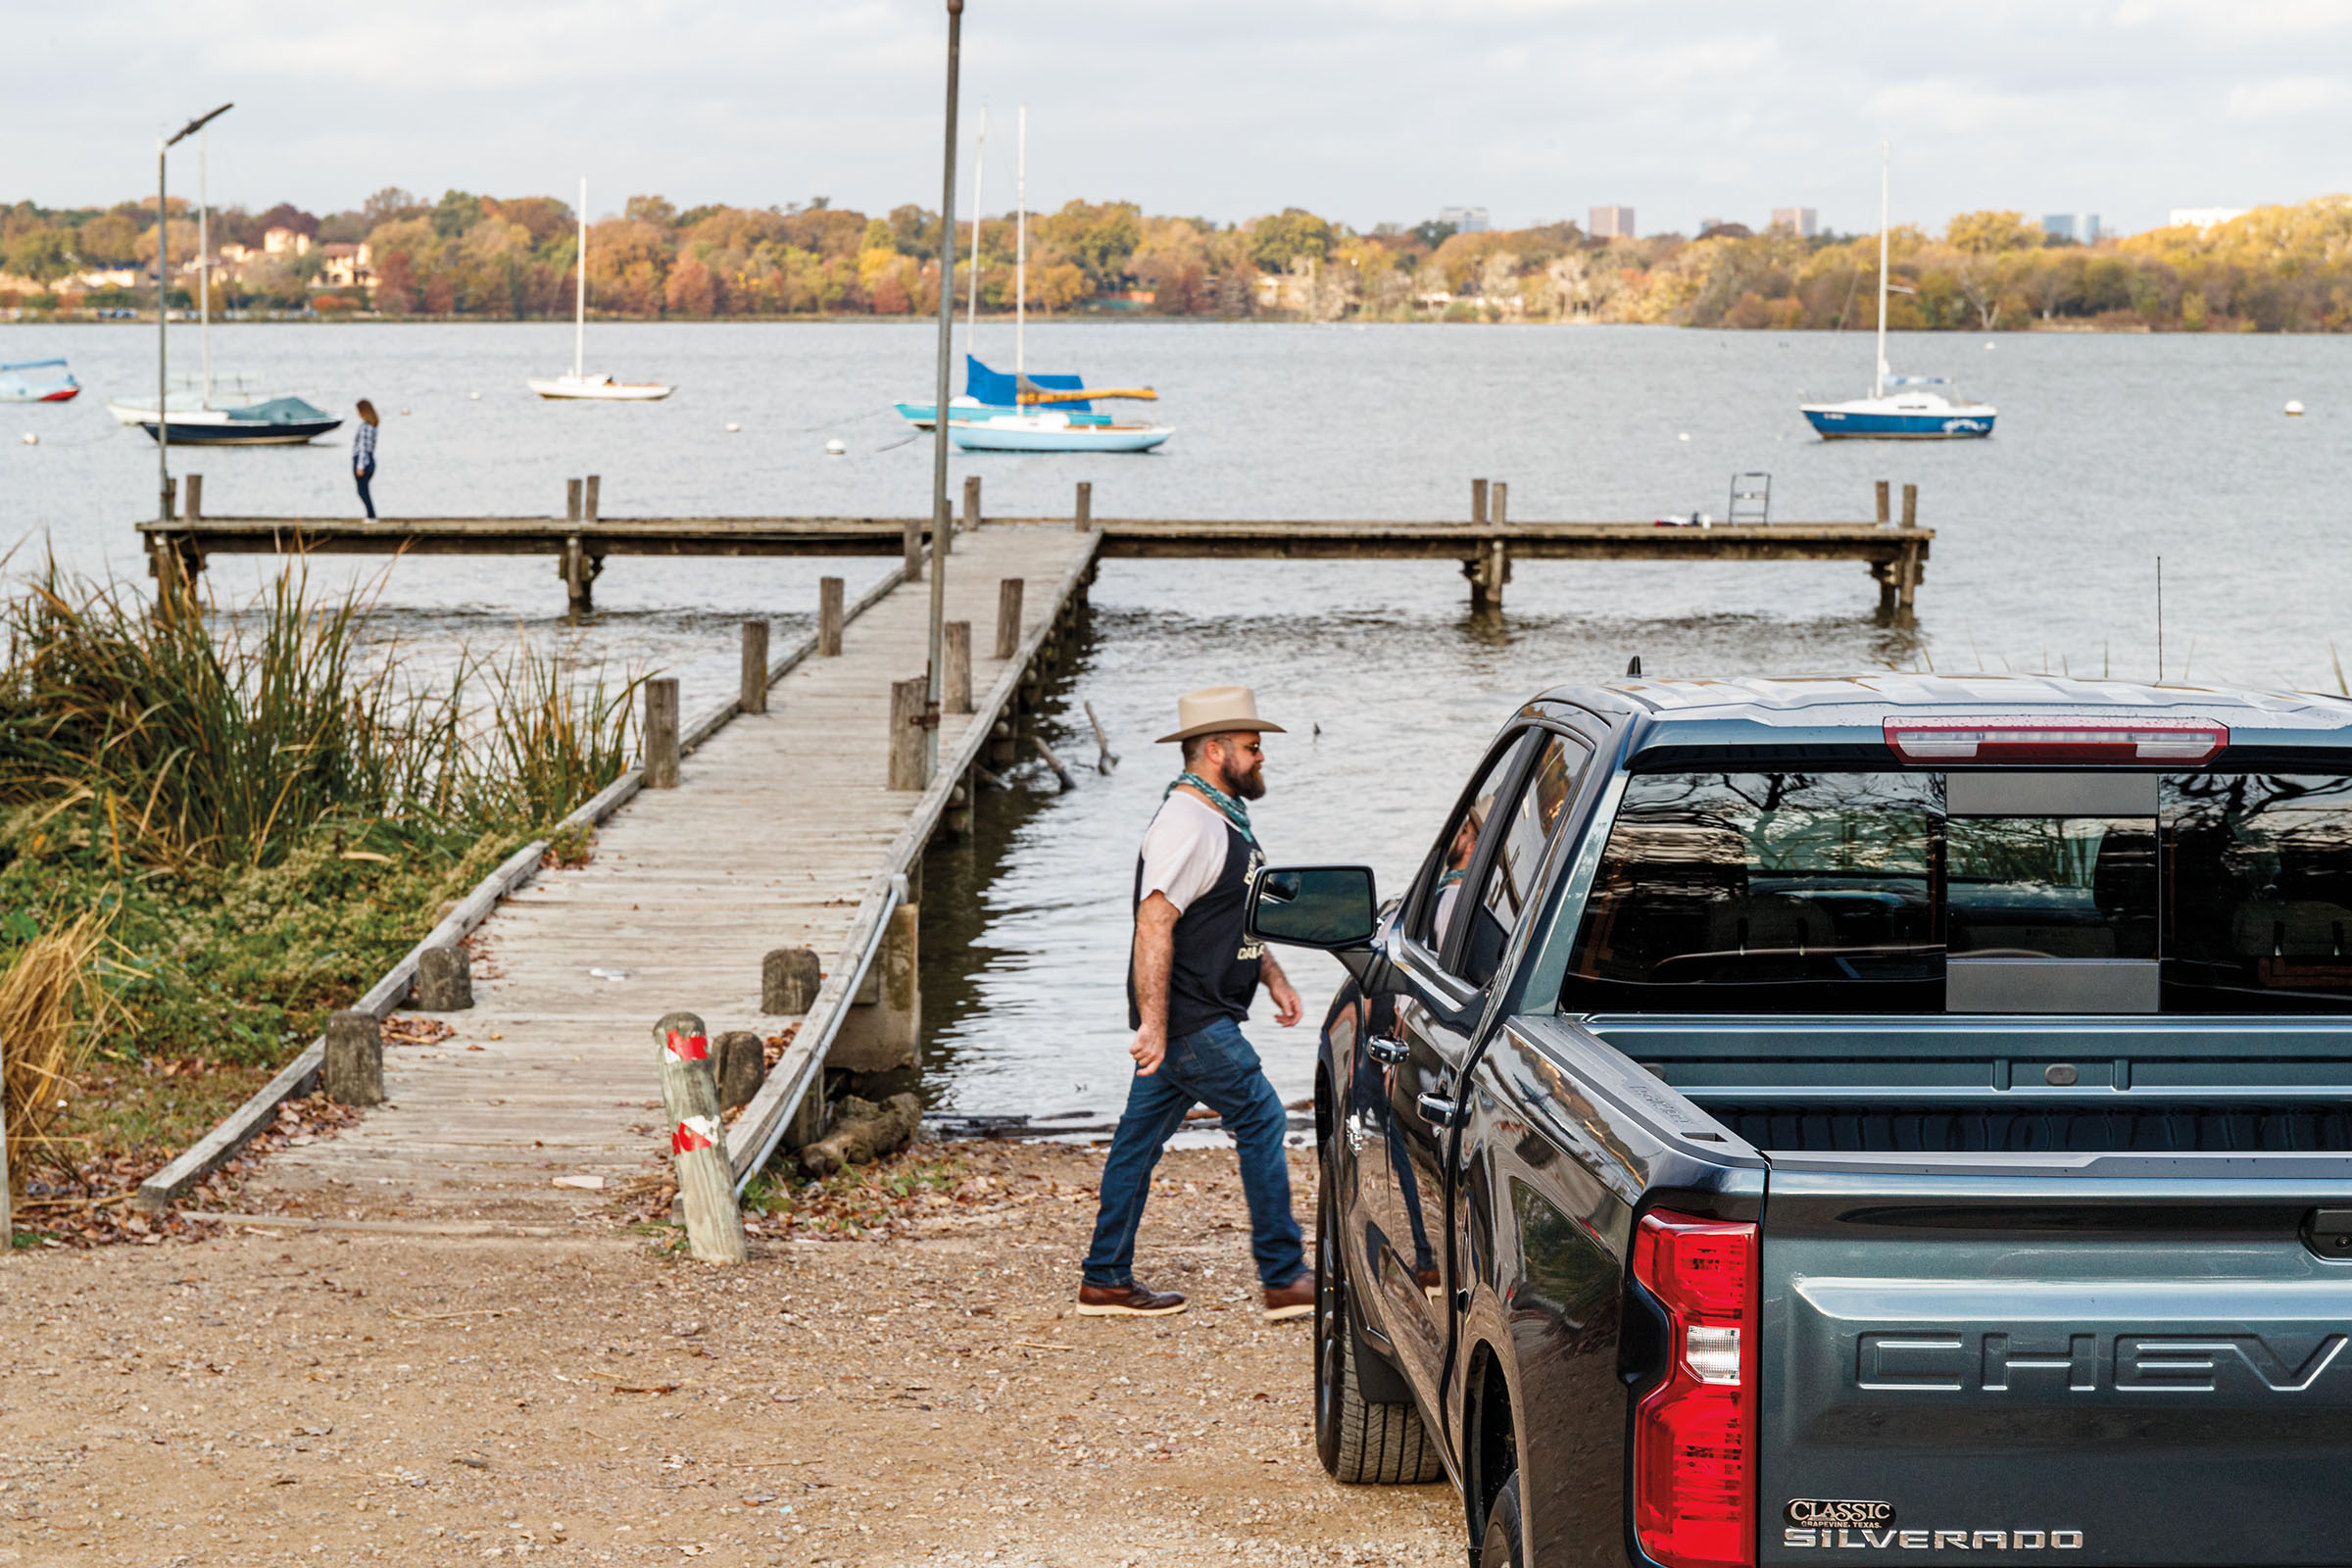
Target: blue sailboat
1907,415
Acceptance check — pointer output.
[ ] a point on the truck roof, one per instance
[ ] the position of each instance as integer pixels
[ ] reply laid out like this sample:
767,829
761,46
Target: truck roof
1842,710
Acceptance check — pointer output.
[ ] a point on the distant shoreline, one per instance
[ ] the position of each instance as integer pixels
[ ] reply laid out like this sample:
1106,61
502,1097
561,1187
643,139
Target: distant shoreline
2070,326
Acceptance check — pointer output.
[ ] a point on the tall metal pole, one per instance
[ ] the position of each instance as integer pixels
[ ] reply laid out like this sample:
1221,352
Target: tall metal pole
940,521
162,339
204,259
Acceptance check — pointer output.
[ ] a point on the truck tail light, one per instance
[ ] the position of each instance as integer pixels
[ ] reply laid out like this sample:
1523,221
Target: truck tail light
2184,741
1695,1435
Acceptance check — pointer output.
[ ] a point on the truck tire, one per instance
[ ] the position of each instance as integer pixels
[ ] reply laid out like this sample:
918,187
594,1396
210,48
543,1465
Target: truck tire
1357,1440
1504,1547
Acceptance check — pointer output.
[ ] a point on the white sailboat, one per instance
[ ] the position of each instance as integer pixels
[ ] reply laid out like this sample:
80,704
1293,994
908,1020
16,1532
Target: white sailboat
579,383
1907,415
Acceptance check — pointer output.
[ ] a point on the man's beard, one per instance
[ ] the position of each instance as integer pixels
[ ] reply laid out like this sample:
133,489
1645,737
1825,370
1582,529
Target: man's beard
1248,786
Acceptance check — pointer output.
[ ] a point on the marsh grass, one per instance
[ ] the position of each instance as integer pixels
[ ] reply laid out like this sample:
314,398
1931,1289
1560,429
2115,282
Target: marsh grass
51,1000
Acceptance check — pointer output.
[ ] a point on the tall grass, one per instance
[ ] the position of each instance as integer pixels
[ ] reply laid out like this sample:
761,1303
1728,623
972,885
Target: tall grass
219,740
50,999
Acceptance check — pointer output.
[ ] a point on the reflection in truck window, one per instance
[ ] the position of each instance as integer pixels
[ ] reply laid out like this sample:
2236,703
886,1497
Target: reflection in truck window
1518,855
2258,896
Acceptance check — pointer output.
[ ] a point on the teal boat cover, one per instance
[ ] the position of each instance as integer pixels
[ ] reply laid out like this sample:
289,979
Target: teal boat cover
281,411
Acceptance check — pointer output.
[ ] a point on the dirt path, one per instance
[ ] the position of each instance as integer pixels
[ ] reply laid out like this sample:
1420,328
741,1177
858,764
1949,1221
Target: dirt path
353,1396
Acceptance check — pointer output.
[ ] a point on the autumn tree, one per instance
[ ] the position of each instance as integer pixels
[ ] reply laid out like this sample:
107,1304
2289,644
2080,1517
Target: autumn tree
1292,232
1100,238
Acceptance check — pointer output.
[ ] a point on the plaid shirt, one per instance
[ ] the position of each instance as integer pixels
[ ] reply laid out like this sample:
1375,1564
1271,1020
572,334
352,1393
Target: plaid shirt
362,447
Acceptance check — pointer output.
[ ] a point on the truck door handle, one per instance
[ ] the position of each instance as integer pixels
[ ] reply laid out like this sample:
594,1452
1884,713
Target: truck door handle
1437,1110
1387,1049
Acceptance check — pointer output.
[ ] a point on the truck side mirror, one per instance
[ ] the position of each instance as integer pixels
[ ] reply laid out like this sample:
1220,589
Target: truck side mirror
1327,907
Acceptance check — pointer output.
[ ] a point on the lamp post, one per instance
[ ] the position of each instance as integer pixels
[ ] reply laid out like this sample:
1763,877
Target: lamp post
940,522
162,313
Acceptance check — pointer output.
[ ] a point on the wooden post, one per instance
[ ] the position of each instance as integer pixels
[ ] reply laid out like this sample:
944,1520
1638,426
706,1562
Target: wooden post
1885,515
444,980
912,538
908,700
742,1064
1085,513
588,496
1104,758
971,503
955,680
354,1071
579,570
1009,617
697,1143
1910,505
828,616
172,497
195,512
1498,516
957,819
1061,774
1478,503
999,742
572,500
788,978
755,667
662,733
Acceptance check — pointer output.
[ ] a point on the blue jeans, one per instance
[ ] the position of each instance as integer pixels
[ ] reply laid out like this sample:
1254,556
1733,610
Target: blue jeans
362,475
1216,1067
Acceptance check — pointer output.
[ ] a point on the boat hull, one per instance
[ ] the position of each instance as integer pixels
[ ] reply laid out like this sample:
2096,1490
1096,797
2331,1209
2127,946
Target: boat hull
555,387
38,394
244,433
1844,425
990,436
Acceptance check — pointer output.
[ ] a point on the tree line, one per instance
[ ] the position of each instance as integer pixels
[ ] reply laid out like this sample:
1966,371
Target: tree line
2276,269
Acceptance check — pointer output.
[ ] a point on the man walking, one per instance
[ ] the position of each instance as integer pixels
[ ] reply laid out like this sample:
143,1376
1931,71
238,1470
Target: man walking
1191,976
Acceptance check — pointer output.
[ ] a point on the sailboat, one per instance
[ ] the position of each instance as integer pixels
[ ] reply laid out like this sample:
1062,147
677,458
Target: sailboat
58,386
197,413
1020,412
1908,414
579,383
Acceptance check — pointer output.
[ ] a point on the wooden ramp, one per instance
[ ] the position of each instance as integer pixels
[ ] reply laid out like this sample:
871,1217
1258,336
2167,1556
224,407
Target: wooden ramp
782,832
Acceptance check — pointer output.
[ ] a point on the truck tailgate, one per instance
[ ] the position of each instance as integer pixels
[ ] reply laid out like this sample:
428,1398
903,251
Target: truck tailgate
2114,1360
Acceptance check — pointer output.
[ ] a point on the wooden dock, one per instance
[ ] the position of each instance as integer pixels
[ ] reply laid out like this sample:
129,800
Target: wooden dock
1485,543
782,832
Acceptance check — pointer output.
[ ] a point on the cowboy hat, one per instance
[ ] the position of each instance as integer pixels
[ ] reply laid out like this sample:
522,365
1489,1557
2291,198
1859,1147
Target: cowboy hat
1218,711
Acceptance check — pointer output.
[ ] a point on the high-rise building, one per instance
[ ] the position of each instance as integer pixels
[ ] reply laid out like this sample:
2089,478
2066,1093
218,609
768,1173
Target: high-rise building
2080,228
1611,223
1465,219
1804,222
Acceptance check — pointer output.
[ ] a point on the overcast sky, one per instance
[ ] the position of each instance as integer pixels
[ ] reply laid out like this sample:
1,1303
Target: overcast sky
1361,109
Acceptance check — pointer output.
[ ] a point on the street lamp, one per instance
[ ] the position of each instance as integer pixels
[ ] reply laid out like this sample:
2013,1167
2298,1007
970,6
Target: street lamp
162,313
934,688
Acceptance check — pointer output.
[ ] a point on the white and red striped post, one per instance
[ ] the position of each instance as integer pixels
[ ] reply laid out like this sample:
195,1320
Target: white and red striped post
697,1143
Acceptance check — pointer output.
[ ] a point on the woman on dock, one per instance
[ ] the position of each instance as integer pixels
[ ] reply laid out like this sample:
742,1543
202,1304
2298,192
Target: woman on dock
362,454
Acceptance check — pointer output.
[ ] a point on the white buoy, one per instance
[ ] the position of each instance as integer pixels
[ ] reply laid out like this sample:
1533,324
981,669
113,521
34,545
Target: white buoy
1685,436
404,411
2294,409
32,440
475,397
836,447
733,427
1990,344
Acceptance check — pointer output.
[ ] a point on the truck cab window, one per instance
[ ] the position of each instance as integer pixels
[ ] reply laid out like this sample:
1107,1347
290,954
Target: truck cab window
2257,893
1437,910
1519,836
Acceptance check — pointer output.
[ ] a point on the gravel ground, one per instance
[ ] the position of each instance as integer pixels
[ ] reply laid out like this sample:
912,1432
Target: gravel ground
328,1396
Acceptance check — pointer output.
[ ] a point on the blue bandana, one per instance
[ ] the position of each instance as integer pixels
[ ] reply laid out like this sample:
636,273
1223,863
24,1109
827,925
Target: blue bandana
1234,811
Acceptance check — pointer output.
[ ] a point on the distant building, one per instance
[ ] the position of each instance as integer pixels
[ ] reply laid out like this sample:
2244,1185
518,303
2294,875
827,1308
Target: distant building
1803,221
2204,216
346,267
1611,223
2080,228
1465,219
280,241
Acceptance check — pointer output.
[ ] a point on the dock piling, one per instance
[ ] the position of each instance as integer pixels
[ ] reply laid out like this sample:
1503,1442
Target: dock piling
880,1033
698,1143
1009,617
662,733
1886,516
588,497
195,504
1084,511
754,667
788,978
1104,758
444,980
911,540
1478,503
956,692
354,1069
828,616
971,503
572,500
1490,567
741,1062
907,701
1910,505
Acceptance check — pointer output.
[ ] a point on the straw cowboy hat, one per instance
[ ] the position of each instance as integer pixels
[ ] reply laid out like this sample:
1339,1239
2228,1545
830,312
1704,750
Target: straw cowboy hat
1217,710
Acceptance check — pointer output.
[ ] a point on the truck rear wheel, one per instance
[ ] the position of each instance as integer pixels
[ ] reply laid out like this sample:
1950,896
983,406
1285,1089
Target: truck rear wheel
1357,1440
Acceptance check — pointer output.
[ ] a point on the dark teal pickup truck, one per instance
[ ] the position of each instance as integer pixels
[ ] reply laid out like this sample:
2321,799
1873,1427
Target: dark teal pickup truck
1895,1119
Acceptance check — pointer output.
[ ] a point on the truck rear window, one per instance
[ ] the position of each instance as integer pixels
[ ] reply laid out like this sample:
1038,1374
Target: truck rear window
1860,893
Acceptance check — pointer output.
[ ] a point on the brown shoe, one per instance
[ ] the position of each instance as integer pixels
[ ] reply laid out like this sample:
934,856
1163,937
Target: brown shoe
1127,1300
1294,1300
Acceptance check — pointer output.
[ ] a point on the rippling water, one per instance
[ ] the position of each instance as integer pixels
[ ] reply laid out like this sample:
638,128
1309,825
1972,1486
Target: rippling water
2112,451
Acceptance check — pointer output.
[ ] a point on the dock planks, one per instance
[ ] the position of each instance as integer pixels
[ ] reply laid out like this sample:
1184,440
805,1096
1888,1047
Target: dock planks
774,837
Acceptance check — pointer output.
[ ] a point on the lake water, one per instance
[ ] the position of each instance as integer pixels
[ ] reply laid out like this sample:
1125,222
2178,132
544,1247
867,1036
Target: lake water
2112,451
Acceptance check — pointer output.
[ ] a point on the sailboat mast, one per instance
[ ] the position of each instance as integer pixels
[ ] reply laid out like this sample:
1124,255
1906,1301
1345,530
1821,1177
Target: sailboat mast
203,265
971,315
1877,385
1020,247
579,299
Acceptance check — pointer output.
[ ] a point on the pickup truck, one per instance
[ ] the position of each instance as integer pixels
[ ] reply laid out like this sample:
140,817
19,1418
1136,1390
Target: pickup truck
1899,1115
